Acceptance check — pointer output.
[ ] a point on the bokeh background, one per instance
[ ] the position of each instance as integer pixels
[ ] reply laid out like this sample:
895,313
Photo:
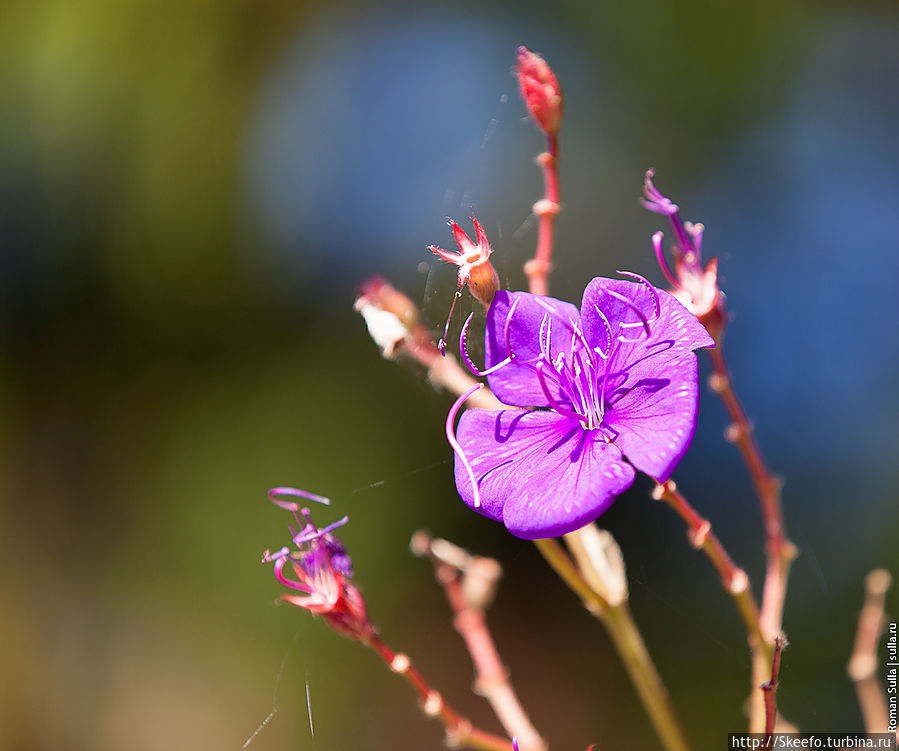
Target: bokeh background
189,194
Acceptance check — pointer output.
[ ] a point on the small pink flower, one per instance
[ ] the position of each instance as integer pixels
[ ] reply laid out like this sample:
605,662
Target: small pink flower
473,260
321,569
540,90
475,269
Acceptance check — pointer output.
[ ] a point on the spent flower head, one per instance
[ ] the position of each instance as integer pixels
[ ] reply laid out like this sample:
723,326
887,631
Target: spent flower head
696,287
475,269
321,569
600,392
473,260
391,317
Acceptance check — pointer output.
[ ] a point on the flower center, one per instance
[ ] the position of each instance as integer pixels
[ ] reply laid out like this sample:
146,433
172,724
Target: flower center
574,385
581,383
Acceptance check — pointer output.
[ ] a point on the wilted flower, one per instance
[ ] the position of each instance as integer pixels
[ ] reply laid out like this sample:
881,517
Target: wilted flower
473,260
606,390
696,287
391,317
540,90
322,569
475,269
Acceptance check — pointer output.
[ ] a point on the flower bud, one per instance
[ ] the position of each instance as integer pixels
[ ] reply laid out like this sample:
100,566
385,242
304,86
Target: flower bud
540,90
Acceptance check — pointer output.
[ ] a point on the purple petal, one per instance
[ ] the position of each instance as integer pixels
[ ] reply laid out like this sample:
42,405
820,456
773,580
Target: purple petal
676,325
653,411
517,383
539,473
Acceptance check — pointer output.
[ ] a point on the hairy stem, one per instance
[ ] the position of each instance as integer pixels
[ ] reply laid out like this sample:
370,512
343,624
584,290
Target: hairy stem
459,730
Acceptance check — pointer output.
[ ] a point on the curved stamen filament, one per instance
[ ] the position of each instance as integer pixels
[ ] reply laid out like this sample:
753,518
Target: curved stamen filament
268,556
507,325
695,230
566,382
569,324
556,407
663,262
642,322
605,376
580,381
296,492
609,336
441,345
287,582
316,534
652,290
578,335
463,350
590,383
546,337
451,437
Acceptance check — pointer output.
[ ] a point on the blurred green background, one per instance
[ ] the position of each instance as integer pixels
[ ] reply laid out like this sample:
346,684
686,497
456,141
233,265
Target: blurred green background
189,194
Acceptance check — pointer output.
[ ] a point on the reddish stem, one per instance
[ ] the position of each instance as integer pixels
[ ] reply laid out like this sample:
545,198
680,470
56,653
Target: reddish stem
733,578
467,603
459,730
736,583
546,209
770,689
780,551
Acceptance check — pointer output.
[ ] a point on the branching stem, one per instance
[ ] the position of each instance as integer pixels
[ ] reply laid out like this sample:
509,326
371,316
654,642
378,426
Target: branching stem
459,730
469,583
733,578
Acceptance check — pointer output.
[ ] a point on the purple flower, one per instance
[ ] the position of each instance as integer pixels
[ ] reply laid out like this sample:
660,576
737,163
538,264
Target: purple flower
603,391
321,569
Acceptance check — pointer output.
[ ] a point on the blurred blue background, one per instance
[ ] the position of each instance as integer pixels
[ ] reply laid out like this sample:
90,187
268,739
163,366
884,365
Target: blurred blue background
189,194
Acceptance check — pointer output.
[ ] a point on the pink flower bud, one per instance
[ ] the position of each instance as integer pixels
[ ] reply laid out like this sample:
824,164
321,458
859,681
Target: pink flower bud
540,90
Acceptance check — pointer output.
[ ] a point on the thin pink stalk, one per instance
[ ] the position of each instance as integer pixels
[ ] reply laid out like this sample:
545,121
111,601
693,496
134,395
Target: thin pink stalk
459,729
546,210
469,583
736,584
780,551
770,689
733,578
